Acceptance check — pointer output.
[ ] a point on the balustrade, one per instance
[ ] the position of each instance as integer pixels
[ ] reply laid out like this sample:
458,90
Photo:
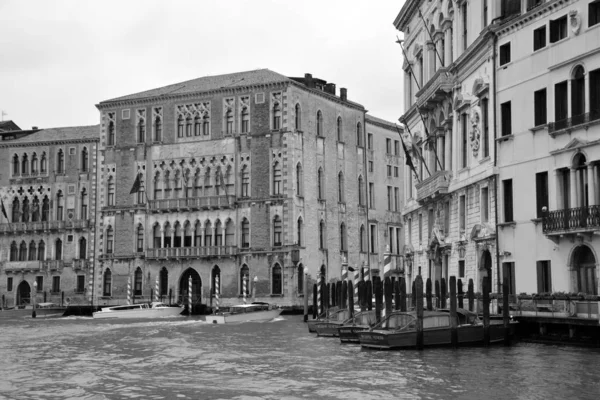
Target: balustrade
183,252
580,218
225,201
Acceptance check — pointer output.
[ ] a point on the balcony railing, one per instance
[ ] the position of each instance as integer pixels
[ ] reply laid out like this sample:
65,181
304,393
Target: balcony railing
225,201
52,265
434,185
20,266
80,264
435,90
572,219
573,122
197,252
16,227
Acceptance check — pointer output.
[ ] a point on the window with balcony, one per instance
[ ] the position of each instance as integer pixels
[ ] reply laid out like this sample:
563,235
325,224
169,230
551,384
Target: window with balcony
277,231
540,105
508,200
107,283
560,102
594,95
41,253
506,115
245,181
140,239
558,29
578,96
110,191
541,193
276,280
24,165
16,165
109,240
58,249
539,38
14,251
277,189
276,116
82,248
505,54
23,251
594,13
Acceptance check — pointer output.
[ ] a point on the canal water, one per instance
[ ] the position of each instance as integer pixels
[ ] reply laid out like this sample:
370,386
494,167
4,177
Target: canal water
186,358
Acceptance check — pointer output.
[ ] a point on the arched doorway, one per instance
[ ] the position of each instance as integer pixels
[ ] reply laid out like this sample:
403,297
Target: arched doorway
485,269
23,294
583,263
196,288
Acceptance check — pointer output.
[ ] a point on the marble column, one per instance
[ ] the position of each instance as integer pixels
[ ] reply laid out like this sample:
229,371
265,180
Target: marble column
162,238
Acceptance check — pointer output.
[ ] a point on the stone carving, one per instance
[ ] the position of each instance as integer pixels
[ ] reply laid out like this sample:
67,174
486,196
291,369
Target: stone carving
575,21
475,131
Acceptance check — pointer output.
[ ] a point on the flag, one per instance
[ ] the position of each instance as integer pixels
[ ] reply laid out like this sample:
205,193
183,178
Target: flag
4,210
137,184
407,155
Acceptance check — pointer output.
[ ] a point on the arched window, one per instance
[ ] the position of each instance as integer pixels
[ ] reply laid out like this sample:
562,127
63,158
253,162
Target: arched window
82,248
343,238
245,233
58,249
24,165
60,162
276,279
361,191
15,165
111,133
216,279
319,123
141,130
341,196
277,231
178,235
340,136
14,251
41,253
59,205
111,191
299,180
229,233
229,122
16,210
140,239
208,234
245,181
25,215
84,206
84,160
180,126
277,178
23,251
45,209
206,125
107,283
34,164
157,234
109,240
298,121
244,276
157,129
276,116
245,120
43,164
197,126
137,282
362,239
188,126
359,135
35,210
320,183
578,96
300,233
164,282
300,273
322,234
218,233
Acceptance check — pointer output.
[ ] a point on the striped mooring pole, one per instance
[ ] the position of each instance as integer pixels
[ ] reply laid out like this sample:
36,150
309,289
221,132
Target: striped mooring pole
156,290
245,287
129,290
318,296
387,268
356,280
190,295
217,292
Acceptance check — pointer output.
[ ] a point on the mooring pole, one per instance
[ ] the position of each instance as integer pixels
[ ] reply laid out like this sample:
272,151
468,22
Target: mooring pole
33,314
350,299
315,308
397,295
453,316
428,294
470,294
378,297
505,311
402,294
486,311
461,294
305,290
419,308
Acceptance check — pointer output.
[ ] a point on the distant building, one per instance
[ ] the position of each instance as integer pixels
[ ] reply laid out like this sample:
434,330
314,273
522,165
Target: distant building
9,125
548,81
48,189
249,176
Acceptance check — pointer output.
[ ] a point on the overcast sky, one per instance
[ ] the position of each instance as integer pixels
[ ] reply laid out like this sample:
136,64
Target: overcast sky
60,58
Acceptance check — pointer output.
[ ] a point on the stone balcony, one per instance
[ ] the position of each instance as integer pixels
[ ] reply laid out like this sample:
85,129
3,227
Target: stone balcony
191,252
435,90
22,266
437,184
192,203
12,228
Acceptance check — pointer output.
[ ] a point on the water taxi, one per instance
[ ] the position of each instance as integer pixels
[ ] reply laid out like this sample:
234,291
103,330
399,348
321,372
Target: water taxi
257,311
348,331
141,310
329,327
312,323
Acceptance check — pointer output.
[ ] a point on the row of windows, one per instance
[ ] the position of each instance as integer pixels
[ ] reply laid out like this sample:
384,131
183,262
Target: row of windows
23,166
36,251
36,211
56,287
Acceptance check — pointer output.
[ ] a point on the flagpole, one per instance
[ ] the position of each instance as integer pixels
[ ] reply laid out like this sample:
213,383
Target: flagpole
431,38
406,154
417,108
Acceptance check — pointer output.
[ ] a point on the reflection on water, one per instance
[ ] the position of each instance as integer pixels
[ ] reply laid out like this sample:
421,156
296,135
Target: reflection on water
183,358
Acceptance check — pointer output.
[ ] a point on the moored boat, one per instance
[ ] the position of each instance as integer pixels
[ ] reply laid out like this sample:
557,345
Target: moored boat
329,327
42,310
313,322
257,311
140,310
348,331
398,330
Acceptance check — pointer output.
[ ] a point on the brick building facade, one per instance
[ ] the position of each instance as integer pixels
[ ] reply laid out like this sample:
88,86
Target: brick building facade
48,190
251,175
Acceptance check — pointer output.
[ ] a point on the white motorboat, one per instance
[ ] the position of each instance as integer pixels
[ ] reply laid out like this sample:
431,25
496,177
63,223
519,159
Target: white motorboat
141,310
256,311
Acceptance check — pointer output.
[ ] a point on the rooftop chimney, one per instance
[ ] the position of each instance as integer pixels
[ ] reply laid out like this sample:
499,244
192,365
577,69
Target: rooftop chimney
330,88
308,81
343,94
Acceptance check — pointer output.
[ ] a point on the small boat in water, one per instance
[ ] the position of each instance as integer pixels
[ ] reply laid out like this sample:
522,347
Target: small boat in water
42,310
257,311
348,331
312,323
141,310
398,330
329,327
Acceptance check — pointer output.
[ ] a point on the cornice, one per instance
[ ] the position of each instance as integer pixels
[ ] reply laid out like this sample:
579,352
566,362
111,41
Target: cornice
406,13
520,21
389,126
47,143
474,53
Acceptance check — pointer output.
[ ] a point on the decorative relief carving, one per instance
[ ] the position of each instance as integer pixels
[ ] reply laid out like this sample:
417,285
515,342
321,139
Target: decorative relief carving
575,21
475,130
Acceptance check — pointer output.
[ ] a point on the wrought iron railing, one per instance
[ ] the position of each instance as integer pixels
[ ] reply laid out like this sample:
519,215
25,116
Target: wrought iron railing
183,252
572,219
573,121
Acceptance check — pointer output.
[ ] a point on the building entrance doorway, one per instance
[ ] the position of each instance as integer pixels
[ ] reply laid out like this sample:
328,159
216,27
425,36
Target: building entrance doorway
485,269
583,264
23,294
184,291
